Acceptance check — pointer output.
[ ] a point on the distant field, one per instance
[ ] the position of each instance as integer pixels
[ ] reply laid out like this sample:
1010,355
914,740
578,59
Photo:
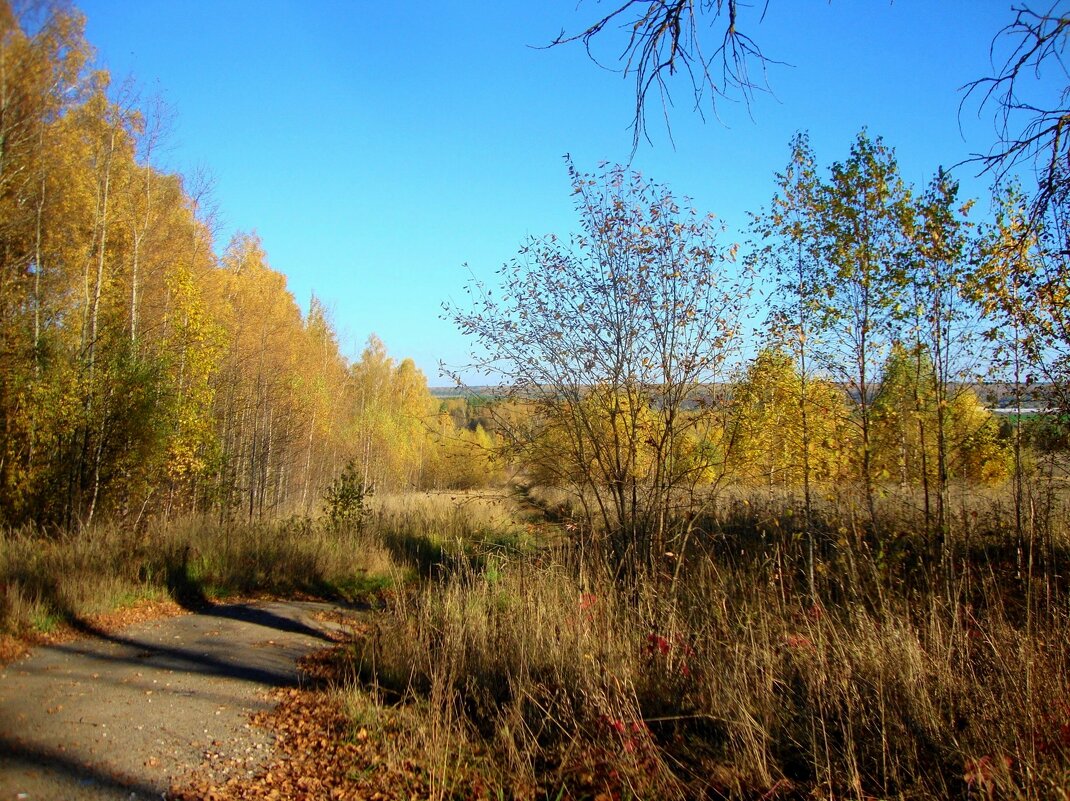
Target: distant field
461,392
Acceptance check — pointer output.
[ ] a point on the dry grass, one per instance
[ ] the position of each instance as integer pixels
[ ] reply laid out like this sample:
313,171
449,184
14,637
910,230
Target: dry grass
435,533
49,579
553,682
463,515
516,671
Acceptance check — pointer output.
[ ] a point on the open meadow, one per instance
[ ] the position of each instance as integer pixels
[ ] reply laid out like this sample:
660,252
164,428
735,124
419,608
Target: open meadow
505,662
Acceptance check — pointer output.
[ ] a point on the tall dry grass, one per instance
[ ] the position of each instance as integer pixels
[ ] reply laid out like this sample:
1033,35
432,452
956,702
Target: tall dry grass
549,680
435,533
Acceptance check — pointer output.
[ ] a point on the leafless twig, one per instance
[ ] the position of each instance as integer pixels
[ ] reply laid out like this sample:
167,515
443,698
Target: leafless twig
664,38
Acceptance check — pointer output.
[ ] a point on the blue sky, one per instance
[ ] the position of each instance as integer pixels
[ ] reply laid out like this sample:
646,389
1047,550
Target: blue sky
378,147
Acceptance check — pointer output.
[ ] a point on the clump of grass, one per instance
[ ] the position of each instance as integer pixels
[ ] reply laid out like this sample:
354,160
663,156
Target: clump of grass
48,579
282,557
520,664
737,681
439,532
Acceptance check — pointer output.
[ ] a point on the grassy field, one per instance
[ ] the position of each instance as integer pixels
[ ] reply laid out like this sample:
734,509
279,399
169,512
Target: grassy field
504,665
525,673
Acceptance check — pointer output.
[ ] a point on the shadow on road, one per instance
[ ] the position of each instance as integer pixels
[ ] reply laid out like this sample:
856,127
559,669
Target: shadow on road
194,658
16,755
249,643
248,613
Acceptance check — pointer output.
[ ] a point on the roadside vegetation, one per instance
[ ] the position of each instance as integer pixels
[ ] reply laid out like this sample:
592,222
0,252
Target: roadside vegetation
51,581
825,570
507,664
536,674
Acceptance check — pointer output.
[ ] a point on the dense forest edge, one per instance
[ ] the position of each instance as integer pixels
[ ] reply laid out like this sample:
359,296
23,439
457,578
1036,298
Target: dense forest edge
144,374
725,521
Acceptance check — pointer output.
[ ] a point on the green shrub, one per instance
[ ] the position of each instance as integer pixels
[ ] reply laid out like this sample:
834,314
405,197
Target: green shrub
343,502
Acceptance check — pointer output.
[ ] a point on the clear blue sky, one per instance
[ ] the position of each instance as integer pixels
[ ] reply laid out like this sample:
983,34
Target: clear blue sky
377,147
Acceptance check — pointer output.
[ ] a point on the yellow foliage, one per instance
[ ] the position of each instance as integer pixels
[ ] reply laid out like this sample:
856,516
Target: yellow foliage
767,430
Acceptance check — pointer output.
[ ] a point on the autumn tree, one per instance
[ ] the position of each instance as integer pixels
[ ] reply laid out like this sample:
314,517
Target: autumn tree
261,406
411,406
615,339
1017,322
791,253
373,422
325,382
460,455
397,432
42,74
865,216
908,406
772,445
1023,277
940,326
140,373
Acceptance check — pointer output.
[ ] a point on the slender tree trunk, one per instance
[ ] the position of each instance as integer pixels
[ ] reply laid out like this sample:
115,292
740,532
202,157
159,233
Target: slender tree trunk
1018,472
808,503
101,255
919,411
308,464
265,462
252,478
135,272
37,269
91,333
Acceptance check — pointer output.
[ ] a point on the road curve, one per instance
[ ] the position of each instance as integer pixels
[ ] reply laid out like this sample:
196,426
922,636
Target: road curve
122,715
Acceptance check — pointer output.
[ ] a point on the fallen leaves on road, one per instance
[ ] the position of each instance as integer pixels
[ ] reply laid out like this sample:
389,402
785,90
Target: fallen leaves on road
14,647
317,754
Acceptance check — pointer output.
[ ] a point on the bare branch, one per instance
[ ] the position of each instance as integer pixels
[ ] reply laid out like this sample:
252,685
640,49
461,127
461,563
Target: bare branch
1028,131
664,38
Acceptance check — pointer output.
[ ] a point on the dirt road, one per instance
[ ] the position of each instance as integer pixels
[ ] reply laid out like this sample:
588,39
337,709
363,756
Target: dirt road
123,715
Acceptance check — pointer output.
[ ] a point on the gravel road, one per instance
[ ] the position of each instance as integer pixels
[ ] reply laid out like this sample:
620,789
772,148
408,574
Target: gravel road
121,715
